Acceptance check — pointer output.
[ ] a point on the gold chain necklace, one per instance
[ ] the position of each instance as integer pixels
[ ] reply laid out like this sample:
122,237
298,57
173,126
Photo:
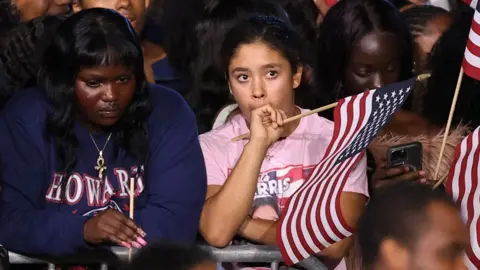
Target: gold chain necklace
100,160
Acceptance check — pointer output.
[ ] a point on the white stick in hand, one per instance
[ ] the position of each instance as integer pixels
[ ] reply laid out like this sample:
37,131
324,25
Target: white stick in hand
131,208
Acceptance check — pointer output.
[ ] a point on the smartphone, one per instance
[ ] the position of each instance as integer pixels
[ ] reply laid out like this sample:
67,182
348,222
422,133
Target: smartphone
409,154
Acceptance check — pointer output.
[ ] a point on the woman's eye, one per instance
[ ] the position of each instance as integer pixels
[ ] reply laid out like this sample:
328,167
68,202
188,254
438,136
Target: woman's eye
124,80
363,72
93,84
242,77
272,74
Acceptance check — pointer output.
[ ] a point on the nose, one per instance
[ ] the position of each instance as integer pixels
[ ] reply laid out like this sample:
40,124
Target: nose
378,81
57,7
123,4
109,94
258,90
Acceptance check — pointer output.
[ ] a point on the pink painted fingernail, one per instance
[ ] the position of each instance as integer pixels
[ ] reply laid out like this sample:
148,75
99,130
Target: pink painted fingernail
423,180
141,241
125,244
136,245
142,233
421,173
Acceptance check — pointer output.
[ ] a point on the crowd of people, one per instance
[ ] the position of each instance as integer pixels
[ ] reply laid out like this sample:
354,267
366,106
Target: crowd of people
99,96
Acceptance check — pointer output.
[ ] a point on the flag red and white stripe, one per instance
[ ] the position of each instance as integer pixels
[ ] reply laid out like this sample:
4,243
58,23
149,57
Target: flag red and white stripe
462,185
471,3
322,224
471,60
313,219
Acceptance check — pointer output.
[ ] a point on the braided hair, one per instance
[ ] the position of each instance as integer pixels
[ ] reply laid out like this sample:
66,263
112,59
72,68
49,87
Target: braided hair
20,54
418,17
9,17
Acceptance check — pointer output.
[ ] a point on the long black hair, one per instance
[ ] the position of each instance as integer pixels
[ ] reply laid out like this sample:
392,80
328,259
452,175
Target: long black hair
279,35
91,38
196,32
346,23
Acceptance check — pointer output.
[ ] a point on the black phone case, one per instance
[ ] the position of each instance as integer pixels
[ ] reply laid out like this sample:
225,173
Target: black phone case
414,152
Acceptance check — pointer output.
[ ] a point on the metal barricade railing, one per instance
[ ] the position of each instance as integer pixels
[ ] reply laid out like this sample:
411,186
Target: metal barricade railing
244,253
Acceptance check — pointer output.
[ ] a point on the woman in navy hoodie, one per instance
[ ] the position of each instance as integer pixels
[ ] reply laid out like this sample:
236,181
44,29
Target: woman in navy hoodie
69,149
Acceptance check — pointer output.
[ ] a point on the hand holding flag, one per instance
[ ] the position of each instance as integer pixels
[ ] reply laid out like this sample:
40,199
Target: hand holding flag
313,219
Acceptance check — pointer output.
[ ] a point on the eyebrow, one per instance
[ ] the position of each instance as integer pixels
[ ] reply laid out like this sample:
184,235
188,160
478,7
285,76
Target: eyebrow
456,247
267,66
370,64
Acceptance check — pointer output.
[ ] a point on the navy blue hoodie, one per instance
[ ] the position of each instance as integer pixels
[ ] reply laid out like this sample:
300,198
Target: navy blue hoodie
38,216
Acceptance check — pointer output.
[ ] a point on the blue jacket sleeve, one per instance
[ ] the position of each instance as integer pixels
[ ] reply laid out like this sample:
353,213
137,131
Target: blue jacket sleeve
175,178
25,225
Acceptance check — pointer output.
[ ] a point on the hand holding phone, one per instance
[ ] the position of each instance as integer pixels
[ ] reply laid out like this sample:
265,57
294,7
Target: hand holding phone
404,163
409,155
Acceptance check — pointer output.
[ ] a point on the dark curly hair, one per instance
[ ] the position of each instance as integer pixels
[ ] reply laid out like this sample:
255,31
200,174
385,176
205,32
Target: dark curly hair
21,53
90,38
445,62
346,23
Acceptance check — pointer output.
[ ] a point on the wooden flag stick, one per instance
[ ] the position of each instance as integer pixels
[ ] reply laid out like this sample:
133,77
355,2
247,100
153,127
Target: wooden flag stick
296,117
317,110
131,207
447,129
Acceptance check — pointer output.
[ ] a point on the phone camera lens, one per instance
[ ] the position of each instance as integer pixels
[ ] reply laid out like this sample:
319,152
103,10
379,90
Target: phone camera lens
399,156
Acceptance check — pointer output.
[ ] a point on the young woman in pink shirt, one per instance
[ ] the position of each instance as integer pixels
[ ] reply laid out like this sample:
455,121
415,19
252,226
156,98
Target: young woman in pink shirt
264,67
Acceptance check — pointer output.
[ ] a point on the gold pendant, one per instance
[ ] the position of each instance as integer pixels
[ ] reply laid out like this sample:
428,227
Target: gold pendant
100,165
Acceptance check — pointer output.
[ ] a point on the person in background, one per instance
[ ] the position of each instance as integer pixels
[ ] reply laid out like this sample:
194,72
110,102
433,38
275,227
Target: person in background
172,256
136,12
365,44
303,14
445,62
13,12
70,148
25,31
427,24
21,54
196,31
263,60
153,35
362,44
410,226
433,104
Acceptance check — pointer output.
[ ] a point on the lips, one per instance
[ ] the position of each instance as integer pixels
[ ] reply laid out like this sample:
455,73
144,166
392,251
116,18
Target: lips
132,22
130,19
111,113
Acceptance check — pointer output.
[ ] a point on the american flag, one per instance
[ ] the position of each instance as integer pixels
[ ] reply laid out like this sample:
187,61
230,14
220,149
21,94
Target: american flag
471,3
471,60
313,219
462,184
